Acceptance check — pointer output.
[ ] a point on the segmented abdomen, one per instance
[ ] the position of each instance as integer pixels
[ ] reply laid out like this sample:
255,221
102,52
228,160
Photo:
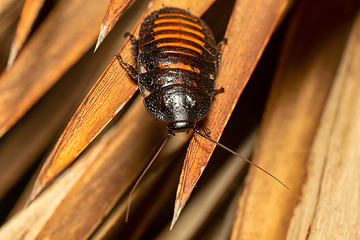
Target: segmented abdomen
176,64
176,30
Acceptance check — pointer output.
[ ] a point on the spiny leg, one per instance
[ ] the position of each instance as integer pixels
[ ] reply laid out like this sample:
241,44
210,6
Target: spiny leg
130,69
219,90
134,43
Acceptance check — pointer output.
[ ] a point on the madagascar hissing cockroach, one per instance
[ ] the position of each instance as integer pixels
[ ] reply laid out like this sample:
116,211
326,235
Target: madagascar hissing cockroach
177,60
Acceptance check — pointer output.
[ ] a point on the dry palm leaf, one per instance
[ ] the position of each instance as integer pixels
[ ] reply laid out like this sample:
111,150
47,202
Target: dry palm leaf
33,134
314,43
77,203
90,189
114,11
49,53
103,102
204,204
233,76
9,12
329,193
100,106
29,13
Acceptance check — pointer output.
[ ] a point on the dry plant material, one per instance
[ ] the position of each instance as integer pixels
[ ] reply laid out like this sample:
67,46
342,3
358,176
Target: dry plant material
114,11
210,197
150,197
101,104
55,46
38,131
330,196
9,12
99,108
315,39
247,39
28,15
78,202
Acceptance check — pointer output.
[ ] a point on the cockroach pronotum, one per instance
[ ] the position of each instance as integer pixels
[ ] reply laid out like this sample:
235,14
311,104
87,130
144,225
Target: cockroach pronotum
177,60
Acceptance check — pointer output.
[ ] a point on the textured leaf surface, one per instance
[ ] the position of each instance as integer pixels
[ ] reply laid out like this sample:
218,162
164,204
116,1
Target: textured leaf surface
249,21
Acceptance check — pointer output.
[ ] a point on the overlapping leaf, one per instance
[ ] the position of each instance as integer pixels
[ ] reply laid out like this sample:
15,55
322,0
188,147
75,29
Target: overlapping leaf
77,205
51,51
114,11
104,101
233,76
294,108
29,13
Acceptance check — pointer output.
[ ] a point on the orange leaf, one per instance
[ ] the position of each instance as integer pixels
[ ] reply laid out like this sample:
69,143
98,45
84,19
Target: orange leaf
28,15
48,54
246,42
114,11
75,205
311,53
104,101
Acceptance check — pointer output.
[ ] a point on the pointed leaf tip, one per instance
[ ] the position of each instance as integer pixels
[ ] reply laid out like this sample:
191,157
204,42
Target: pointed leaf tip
35,192
115,9
13,54
28,16
177,211
101,36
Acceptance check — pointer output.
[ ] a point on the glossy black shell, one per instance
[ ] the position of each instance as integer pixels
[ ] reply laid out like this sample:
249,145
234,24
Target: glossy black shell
176,63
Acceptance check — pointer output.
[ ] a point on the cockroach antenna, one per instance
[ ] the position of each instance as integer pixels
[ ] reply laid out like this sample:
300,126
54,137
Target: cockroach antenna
208,138
235,153
142,175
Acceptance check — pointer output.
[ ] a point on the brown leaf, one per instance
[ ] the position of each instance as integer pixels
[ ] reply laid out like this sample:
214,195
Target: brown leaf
209,197
80,202
114,11
9,13
51,51
333,167
29,140
42,124
233,75
28,15
101,104
77,203
98,108
311,52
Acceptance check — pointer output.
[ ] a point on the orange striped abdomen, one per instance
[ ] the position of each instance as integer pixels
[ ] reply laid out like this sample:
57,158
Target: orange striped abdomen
176,65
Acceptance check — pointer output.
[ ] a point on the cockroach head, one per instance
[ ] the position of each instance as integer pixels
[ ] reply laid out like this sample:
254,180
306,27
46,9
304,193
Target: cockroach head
177,127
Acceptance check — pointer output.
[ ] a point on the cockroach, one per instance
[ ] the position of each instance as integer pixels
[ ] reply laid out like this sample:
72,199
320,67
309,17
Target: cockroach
177,61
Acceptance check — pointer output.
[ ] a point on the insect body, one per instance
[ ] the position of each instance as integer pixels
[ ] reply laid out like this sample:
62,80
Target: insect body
177,61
